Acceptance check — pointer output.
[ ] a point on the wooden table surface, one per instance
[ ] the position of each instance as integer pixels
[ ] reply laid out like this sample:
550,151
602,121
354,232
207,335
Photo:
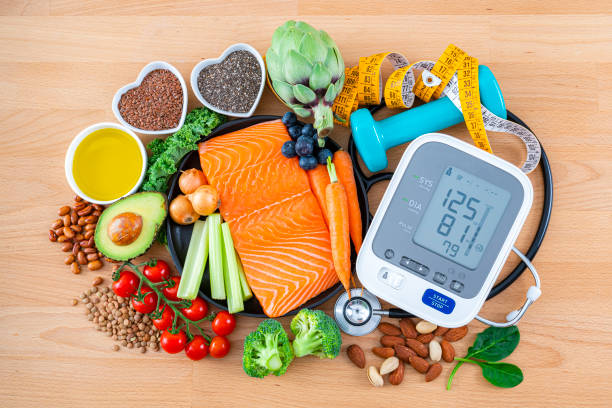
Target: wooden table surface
61,62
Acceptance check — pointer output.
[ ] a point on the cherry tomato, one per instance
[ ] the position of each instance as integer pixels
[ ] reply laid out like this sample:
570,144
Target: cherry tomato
157,273
165,320
224,323
197,348
197,310
173,342
148,304
126,285
219,347
170,293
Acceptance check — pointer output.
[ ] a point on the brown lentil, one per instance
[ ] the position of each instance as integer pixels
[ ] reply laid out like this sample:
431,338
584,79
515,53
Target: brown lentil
156,104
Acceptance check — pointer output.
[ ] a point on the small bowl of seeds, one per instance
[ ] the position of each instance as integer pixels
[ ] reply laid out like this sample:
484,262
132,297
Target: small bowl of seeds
231,84
156,103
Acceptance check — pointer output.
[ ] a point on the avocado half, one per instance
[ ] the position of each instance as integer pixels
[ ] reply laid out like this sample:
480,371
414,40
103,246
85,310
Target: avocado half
149,208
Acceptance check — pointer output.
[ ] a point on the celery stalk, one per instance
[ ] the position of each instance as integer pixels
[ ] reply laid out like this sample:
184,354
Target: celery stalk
246,290
217,285
234,294
195,261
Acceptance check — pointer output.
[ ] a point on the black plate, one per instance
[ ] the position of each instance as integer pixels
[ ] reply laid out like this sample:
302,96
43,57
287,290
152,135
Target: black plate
179,235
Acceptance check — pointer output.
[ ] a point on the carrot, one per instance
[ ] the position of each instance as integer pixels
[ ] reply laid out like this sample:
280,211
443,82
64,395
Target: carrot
319,179
337,211
344,168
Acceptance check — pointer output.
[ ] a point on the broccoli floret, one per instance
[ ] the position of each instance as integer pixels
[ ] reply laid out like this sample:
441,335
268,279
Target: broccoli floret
315,333
267,350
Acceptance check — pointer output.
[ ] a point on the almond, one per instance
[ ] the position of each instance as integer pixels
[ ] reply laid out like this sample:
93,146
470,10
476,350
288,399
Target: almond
397,376
434,372
435,350
384,352
374,377
456,334
407,328
448,351
425,338
389,329
389,365
425,327
390,341
356,355
440,331
404,353
419,364
418,347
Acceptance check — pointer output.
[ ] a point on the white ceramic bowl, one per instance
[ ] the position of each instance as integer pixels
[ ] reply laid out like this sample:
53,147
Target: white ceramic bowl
212,61
79,138
152,66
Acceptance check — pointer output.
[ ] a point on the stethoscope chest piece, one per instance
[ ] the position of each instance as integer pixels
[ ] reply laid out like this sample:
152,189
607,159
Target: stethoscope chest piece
355,316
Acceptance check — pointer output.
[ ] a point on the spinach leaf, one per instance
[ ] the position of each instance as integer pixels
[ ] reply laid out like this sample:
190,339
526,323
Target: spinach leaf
490,346
495,343
502,375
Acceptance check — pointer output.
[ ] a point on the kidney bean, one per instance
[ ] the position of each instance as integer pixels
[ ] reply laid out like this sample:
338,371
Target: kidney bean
67,221
92,257
88,234
69,259
68,232
76,248
92,219
79,237
63,210
76,228
63,238
96,213
85,243
74,218
67,247
75,268
90,250
98,207
52,236
90,227
81,221
85,211
82,258
77,198
57,224
94,265
59,231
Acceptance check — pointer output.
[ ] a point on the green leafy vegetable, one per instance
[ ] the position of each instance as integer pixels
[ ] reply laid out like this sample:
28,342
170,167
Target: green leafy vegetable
166,154
490,346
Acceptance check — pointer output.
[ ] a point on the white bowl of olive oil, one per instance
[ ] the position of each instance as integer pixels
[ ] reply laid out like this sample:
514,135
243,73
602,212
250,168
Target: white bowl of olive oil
105,162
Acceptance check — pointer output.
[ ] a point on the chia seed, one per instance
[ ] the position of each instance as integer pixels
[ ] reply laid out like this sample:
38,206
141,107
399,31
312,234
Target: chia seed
233,84
156,104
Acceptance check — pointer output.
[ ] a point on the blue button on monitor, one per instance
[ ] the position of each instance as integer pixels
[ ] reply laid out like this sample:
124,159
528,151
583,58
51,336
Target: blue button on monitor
438,301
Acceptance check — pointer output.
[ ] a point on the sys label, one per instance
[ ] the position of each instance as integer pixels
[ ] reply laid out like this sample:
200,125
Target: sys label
438,301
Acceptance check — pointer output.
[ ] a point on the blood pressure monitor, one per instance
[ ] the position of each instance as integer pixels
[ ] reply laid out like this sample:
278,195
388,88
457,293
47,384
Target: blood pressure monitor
444,229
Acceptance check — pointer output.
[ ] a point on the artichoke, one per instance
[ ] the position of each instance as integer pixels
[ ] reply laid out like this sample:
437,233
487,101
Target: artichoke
306,71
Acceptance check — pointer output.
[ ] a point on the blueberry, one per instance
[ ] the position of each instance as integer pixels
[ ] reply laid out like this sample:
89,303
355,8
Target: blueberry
304,146
308,162
323,155
289,119
288,149
308,130
295,131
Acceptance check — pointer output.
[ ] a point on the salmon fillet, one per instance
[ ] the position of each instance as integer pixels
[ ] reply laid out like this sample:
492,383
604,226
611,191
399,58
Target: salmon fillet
275,220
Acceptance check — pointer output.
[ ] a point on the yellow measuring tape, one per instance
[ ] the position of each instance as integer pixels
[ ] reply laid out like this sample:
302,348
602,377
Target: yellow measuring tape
401,87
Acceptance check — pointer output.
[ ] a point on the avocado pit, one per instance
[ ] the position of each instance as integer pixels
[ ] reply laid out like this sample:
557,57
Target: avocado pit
125,228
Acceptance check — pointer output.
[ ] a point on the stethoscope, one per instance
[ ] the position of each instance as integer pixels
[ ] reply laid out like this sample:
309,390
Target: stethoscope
361,313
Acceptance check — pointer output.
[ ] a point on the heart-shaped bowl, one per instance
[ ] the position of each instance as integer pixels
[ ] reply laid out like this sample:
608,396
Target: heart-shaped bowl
152,66
213,61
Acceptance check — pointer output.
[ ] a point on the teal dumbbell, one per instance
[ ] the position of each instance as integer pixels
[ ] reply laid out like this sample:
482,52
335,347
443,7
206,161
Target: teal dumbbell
373,138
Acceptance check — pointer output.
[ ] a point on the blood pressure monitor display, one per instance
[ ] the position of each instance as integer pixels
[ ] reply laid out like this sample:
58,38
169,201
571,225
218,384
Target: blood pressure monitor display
461,217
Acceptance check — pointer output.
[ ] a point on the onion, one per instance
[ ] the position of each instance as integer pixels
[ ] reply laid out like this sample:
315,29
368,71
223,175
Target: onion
190,180
182,212
205,200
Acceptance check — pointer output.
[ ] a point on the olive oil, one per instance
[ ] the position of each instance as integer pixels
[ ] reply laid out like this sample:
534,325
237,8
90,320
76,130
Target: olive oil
107,164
